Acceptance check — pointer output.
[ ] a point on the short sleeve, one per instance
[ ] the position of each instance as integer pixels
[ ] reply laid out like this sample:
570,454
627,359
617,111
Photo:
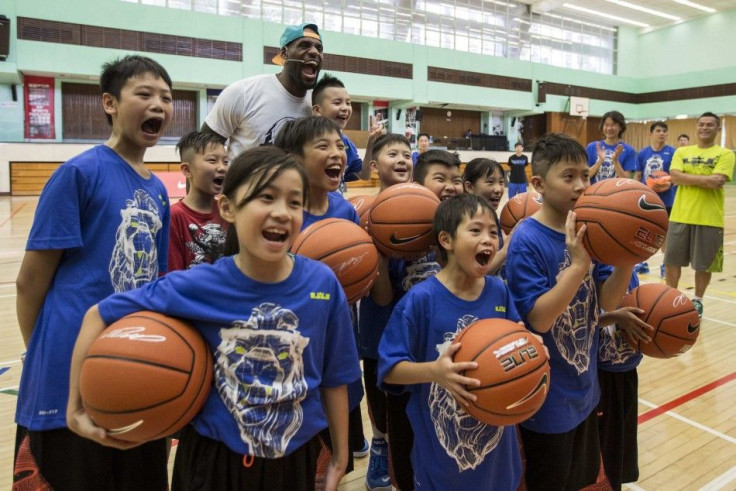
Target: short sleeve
227,115
592,153
725,164
355,163
162,238
177,242
398,342
341,365
526,275
57,222
677,160
641,162
629,160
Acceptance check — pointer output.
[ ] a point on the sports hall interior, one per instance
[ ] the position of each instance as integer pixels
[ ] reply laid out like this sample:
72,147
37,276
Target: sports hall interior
502,71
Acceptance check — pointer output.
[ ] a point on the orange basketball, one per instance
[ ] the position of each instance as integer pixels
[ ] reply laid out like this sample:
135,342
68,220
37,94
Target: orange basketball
659,181
513,370
401,220
627,222
672,315
362,205
520,206
344,247
146,376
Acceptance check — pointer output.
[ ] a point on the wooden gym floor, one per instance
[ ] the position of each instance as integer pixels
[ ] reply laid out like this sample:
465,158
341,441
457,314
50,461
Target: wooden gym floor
687,405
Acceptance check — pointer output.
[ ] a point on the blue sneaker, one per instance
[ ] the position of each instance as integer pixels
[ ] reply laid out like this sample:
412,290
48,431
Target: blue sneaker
362,452
661,270
377,478
698,304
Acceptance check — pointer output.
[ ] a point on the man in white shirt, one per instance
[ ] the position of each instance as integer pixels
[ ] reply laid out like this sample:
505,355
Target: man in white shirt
250,112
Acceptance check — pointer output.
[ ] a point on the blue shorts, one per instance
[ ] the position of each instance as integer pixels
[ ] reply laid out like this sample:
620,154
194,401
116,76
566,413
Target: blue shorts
515,189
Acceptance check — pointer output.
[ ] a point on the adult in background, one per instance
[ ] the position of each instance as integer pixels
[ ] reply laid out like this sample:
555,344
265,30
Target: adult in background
683,140
611,157
517,163
250,112
695,235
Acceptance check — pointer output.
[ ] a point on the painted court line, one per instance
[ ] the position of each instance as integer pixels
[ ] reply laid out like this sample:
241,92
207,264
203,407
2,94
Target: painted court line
12,214
685,398
9,362
710,319
721,481
632,486
697,425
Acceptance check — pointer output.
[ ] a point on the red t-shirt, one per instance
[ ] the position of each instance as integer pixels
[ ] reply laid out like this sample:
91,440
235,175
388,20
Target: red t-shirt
195,237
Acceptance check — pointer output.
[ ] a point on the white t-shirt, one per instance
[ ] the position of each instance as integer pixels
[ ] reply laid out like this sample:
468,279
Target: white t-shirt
250,112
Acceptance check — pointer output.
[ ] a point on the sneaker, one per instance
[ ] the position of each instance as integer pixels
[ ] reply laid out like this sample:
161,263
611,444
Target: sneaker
698,304
363,451
641,268
661,270
377,478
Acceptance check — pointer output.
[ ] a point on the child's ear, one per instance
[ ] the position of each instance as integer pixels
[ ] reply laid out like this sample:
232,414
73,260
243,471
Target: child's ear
445,240
109,103
227,209
374,165
185,169
468,187
538,183
316,110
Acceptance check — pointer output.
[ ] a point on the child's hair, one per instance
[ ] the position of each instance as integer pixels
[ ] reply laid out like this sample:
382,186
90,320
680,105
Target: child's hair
388,139
421,135
709,114
481,168
518,144
552,148
262,165
658,124
617,118
450,214
116,73
684,135
325,82
430,157
196,142
298,132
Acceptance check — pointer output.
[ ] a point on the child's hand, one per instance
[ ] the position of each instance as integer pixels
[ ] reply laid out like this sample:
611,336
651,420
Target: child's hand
619,149
574,241
335,471
446,373
80,423
600,151
377,130
629,321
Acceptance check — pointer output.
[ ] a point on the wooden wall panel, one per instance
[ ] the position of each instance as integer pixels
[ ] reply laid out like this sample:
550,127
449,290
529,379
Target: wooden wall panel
435,123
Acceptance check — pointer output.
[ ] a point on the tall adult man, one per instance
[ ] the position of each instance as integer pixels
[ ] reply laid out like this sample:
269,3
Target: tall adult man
250,112
695,233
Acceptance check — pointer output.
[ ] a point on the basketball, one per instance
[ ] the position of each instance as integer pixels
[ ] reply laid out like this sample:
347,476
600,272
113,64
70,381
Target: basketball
627,222
346,248
520,206
362,205
672,315
513,369
400,220
659,181
146,376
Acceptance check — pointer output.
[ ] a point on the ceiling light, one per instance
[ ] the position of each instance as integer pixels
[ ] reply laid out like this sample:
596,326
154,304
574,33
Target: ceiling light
604,15
643,9
577,21
696,6
681,116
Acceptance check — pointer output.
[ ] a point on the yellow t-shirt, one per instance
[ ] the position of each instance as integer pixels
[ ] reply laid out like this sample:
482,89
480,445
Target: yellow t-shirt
693,204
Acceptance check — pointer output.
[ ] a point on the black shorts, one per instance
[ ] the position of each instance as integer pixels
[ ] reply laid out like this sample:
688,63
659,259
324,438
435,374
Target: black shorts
204,463
62,460
375,397
618,424
400,441
562,461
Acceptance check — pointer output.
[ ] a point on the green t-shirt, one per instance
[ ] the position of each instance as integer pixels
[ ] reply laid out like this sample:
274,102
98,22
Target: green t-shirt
693,204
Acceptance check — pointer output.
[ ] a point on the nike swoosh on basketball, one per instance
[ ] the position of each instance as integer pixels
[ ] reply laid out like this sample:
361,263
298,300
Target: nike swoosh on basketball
644,205
691,329
402,240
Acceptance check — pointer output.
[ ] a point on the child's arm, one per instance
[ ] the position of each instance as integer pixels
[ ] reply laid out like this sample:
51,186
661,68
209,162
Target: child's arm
614,288
442,371
365,171
76,418
500,258
596,160
629,320
382,291
34,280
549,306
335,401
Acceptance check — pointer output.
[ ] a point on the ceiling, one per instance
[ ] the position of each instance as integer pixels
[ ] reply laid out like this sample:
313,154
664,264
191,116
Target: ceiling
618,10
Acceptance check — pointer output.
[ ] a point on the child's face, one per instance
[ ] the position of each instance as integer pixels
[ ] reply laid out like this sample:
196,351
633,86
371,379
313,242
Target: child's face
562,186
443,180
335,105
324,160
393,164
206,172
611,129
475,243
143,110
268,224
423,143
490,187
518,149
683,141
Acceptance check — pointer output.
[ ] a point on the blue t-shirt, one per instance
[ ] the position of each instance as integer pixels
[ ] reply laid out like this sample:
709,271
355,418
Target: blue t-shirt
274,346
354,164
536,257
452,450
113,226
614,353
415,157
337,207
627,159
649,161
